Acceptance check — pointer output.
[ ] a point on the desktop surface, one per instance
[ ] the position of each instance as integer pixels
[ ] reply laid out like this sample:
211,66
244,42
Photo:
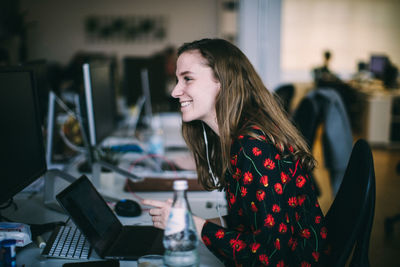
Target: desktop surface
31,210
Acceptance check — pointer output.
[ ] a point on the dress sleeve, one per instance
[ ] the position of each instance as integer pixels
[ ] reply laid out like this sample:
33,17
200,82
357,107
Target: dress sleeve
265,215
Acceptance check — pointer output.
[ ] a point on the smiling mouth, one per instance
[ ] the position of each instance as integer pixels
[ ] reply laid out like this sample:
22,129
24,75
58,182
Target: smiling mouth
185,103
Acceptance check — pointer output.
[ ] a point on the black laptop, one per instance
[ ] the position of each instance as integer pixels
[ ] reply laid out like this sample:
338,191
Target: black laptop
109,238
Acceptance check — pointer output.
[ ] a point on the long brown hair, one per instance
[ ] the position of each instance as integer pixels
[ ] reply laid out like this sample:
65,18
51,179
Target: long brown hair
243,102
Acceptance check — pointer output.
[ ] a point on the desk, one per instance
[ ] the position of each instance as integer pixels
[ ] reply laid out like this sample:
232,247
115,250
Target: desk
381,120
31,210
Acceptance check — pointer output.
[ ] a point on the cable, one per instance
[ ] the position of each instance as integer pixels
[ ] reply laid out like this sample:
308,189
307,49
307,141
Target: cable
212,175
66,108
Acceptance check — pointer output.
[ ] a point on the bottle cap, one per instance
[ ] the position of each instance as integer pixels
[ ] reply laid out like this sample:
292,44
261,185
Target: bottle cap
180,185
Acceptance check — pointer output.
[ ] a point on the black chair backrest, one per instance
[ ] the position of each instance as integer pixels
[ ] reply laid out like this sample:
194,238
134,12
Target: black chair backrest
349,219
284,94
307,118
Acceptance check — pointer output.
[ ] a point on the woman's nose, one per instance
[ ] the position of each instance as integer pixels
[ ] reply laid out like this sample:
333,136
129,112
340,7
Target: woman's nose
177,91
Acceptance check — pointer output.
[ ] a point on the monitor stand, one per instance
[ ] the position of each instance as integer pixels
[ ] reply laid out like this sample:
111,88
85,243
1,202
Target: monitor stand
50,185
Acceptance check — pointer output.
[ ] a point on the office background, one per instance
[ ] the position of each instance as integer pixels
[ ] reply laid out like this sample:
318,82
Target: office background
285,38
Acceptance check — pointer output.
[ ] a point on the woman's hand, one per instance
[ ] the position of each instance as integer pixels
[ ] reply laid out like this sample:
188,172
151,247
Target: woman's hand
159,214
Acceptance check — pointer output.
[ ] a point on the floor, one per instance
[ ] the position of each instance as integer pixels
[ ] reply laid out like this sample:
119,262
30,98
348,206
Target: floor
384,250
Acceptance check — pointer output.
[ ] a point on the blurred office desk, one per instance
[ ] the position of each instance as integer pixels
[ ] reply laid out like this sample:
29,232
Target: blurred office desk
30,209
381,113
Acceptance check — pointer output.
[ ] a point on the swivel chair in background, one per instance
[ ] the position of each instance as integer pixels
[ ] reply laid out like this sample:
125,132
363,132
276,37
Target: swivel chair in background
325,107
284,94
349,219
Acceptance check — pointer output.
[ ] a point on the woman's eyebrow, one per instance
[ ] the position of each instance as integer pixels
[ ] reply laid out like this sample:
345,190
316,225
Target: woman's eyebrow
184,73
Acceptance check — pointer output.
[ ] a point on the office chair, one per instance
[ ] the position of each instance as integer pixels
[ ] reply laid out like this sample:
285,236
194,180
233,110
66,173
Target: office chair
284,94
325,107
349,220
390,221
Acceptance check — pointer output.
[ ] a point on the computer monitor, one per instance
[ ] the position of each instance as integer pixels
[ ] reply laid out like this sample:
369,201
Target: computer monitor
22,152
39,68
377,65
100,101
133,82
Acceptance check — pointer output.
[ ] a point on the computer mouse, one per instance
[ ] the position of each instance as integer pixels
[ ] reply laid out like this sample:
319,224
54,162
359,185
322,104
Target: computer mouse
127,208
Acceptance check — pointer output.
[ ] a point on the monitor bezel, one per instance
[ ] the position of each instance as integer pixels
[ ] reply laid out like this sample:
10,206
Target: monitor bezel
6,196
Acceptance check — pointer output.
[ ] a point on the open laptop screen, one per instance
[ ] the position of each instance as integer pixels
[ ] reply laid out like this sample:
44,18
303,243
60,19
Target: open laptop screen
90,213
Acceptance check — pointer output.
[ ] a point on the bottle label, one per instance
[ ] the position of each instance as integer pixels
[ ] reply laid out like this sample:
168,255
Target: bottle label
176,221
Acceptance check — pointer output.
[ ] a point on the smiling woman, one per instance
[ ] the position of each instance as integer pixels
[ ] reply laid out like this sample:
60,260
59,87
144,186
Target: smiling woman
196,89
244,144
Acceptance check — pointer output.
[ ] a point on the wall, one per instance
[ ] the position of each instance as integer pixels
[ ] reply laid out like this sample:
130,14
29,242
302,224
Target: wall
56,27
351,29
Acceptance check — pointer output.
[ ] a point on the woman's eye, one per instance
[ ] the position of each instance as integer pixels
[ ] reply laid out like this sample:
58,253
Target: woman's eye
187,78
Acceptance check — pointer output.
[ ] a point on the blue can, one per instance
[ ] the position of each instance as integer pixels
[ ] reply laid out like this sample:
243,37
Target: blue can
8,254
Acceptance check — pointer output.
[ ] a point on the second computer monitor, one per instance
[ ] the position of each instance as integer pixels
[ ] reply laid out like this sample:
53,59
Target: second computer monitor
100,101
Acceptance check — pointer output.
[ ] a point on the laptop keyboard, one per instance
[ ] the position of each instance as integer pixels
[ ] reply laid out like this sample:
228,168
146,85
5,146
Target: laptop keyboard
67,242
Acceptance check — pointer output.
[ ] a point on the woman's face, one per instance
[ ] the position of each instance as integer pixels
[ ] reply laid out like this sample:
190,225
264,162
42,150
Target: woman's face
196,89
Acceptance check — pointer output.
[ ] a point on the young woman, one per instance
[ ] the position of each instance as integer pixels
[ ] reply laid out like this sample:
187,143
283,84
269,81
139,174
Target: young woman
243,143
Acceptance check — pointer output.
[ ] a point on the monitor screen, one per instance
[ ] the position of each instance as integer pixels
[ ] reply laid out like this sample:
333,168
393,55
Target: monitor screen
377,65
100,101
39,68
22,150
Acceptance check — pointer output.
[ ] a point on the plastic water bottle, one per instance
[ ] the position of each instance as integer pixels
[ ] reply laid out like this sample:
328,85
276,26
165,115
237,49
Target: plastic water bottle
180,237
156,142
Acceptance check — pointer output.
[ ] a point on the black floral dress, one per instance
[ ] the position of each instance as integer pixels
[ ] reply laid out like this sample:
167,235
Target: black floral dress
274,218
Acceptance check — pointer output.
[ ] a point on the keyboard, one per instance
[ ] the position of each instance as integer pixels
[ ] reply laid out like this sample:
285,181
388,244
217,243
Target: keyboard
67,242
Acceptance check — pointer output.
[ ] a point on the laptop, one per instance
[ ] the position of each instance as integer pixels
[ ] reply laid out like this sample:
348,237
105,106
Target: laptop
102,228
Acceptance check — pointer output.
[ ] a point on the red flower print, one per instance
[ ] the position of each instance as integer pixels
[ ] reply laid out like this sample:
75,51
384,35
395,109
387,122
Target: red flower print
317,219
232,198
292,243
257,232
253,207
297,216
276,208
305,233
237,174
301,199
240,212
237,245
243,191
324,232
254,247
240,136
264,180
256,151
262,137
300,181
282,228
291,149
315,255
240,228
263,259
269,221
284,178
277,244
292,202
278,188
234,159
280,264
278,157
287,217
317,204
260,195
220,234
269,164
248,178
305,264
206,240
